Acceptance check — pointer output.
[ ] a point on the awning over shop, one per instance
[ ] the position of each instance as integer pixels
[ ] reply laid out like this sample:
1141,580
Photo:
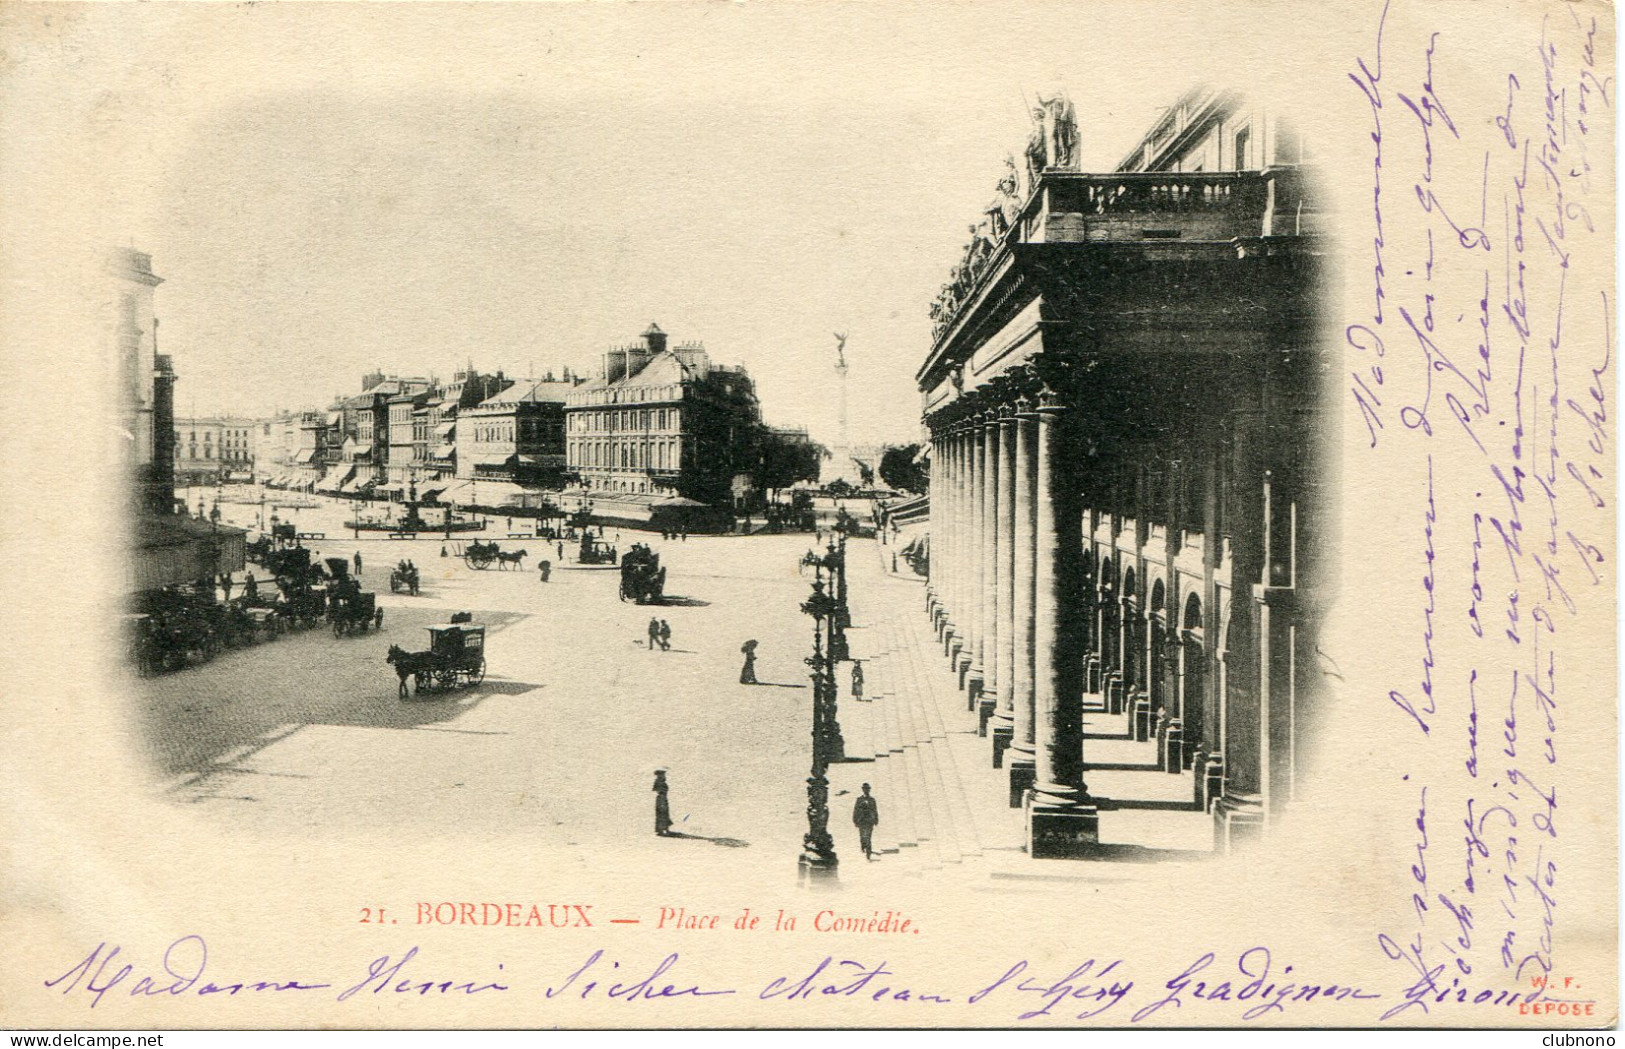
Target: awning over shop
392,486
445,451
335,418
446,427
328,484
494,493
354,448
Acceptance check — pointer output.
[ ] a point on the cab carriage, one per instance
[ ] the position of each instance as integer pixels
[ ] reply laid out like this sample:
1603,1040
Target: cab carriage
456,655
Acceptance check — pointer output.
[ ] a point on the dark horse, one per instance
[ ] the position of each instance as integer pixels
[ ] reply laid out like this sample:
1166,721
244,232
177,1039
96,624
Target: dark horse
516,558
415,665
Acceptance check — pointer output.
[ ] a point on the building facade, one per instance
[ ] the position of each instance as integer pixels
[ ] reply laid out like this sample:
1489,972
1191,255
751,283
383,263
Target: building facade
663,422
143,383
213,450
167,548
516,435
1129,451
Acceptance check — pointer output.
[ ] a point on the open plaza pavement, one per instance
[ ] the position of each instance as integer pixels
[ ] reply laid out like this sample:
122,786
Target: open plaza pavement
575,713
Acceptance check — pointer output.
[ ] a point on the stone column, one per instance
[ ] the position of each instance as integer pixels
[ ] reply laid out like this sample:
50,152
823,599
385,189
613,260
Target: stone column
956,569
1243,742
1024,490
1004,516
933,578
1062,820
988,598
970,678
950,535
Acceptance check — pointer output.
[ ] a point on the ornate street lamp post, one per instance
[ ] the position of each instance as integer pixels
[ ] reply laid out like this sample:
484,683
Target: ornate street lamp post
831,646
818,859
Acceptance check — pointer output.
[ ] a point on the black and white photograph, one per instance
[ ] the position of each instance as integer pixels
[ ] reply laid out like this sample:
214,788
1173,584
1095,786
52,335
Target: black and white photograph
531,507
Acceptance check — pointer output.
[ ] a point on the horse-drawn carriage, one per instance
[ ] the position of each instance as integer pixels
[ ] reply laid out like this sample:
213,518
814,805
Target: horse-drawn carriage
642,579
483,555
349,609
456,655
404,577
480,555
595,551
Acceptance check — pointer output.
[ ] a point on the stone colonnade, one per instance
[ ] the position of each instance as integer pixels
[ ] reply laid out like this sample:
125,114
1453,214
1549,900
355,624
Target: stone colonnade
1008,529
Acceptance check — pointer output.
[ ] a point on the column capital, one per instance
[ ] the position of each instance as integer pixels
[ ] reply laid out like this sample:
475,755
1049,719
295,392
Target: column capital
1051,402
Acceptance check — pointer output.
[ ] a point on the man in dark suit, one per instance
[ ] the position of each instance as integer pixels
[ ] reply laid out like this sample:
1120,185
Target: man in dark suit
866,815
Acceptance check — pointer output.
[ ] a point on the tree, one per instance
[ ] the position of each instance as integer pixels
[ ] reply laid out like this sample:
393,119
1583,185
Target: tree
782,461
899,470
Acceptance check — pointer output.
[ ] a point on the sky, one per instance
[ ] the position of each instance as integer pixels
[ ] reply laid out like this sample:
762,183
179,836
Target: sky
329,190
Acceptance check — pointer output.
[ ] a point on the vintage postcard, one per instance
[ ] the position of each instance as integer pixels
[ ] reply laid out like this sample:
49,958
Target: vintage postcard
905,515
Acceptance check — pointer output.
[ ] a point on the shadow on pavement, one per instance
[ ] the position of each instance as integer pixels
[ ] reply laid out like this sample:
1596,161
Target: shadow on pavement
729,843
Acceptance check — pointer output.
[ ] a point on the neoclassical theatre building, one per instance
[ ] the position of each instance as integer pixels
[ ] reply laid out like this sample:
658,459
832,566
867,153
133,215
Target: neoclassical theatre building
1131,446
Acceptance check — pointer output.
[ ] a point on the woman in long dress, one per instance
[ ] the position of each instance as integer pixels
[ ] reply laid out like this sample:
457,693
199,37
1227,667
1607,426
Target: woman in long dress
662,806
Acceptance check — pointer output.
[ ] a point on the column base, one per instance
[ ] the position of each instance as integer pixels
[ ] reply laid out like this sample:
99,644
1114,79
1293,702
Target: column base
1237,820
975,684
1114,693
1173,748
1004,734
962,668
1091,674
1141,722
985,711
1208,772
1062,832
1023,775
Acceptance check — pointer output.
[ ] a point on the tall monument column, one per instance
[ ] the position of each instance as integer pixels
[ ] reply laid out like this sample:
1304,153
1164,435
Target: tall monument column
1062,820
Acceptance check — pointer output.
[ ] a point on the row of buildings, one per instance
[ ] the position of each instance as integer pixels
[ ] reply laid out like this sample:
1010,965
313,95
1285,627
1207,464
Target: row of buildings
657,423
1130,447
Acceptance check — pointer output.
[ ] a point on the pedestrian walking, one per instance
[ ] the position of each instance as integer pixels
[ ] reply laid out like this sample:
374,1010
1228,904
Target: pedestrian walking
561,549
358,562
225,584
857,679
251,589
662,806
654,634
866,816
442,549
665,636
747,673
894,562
547,569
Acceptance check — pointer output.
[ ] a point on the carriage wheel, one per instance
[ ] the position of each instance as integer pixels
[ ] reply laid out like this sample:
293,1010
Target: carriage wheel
477,675
446,678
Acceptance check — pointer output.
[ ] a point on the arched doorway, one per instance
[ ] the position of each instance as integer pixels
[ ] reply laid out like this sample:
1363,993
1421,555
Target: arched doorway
1192,679
1089,648
1106,617
1158,677
1129,640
